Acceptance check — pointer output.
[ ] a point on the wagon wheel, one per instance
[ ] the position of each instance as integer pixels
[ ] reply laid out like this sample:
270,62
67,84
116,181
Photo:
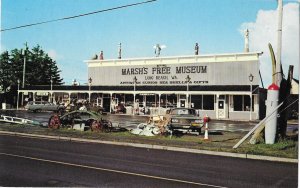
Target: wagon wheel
61,111
95,125
106,126
54,122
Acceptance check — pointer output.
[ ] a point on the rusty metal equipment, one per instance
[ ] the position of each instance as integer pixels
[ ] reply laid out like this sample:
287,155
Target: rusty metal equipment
85,120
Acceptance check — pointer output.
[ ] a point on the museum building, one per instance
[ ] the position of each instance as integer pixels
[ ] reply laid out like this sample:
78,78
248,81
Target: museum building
222,86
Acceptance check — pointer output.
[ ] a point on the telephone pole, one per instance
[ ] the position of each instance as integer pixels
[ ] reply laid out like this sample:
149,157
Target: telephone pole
278,76
24,70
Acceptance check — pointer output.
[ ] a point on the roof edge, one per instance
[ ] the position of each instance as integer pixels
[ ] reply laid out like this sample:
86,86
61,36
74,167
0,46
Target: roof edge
172,57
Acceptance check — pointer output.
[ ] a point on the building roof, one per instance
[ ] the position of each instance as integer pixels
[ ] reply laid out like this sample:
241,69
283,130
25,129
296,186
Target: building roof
229,57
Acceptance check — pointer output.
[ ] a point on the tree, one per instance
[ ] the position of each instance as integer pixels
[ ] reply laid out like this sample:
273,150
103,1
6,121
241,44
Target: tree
40,68
5,73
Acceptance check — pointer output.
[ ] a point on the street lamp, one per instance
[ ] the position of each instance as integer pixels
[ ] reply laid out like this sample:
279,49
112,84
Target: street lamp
134,85
251,77
188,79
18,94
51,97
90,84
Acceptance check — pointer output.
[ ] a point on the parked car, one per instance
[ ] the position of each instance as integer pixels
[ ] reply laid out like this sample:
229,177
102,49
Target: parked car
95,108
37,106
84,105
184,119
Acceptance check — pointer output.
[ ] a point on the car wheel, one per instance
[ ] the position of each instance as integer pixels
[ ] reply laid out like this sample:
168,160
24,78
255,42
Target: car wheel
107,126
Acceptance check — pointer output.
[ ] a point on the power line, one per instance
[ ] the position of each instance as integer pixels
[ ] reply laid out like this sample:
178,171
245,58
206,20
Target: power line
80,15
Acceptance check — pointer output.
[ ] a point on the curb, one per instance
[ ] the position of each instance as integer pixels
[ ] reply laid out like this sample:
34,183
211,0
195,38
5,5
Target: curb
158,147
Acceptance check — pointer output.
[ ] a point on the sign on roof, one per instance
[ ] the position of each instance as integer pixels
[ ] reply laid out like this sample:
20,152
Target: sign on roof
212,73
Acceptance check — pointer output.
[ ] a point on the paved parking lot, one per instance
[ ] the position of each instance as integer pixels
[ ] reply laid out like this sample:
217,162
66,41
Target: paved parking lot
130,121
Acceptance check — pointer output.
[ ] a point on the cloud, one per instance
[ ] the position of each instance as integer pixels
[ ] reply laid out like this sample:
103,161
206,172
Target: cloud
3,48
264,31
54,55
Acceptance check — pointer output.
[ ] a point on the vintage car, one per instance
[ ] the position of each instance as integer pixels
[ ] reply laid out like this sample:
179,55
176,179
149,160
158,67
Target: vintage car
95,108
184,119
85,106
91,107
85,120
37,106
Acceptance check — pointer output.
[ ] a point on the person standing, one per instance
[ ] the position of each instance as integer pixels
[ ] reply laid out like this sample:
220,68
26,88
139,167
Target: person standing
196,49
157,50
101,55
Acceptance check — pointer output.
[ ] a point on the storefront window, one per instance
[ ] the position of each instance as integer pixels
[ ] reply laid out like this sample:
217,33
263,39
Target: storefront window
246,103
241,103
238,103
208,102
197,100
203,102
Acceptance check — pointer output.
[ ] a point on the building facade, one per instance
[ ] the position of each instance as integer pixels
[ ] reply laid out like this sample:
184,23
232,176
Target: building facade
216,85
222,86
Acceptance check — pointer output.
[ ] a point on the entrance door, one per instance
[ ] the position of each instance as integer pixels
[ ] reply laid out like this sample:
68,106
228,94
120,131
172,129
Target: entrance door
221,109
99,102
106,104
182,103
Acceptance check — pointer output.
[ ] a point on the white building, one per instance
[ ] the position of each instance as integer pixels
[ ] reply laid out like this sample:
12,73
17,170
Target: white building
217,85
223,86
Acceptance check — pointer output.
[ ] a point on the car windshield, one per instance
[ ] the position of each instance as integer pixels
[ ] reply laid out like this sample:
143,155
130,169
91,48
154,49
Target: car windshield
183,112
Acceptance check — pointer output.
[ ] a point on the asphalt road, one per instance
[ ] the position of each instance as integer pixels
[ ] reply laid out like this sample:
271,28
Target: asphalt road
41,162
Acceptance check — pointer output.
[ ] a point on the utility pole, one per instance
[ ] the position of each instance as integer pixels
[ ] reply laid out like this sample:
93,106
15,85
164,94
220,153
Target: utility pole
278,73
18,94
24,70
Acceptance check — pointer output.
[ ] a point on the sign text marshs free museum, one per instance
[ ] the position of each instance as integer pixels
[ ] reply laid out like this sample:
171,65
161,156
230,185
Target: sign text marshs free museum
212,73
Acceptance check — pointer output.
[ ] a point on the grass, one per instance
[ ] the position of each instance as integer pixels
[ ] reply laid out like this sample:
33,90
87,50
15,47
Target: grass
283,148
223,141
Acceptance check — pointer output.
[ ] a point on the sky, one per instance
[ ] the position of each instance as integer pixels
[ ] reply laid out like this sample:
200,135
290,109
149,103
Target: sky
217,26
